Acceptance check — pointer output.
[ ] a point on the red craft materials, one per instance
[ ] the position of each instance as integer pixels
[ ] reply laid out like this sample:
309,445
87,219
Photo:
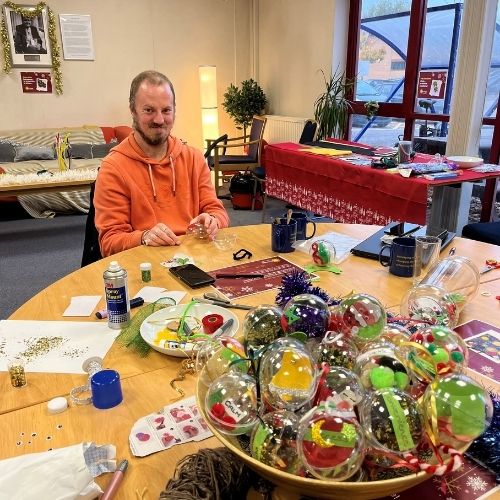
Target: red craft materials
211,322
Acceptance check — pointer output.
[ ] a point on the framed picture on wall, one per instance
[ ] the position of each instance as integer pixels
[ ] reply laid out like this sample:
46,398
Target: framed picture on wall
29,38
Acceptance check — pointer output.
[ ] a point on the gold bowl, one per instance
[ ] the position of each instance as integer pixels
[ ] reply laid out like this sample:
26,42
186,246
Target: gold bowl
315,488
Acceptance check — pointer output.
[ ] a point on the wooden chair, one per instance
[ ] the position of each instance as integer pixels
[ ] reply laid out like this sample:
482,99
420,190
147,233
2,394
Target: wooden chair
226,165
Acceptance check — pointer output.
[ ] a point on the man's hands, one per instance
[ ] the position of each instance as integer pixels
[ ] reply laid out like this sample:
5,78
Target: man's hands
160,235
209,221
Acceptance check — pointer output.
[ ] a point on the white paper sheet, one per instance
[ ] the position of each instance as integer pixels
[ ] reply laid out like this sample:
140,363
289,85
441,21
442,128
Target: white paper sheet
153,293
82,305
53,346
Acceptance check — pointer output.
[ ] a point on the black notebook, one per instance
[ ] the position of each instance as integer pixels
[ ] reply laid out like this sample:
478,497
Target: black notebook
370,248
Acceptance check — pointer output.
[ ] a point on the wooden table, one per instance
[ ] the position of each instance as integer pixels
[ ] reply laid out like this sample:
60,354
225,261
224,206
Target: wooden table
45,187
145,381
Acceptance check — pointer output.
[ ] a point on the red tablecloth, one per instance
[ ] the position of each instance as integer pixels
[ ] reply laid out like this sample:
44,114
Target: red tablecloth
347,193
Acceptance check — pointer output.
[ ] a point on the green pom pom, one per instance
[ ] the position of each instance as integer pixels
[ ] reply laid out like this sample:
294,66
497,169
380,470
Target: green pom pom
402,380
457,357
440,355
381,377
432,348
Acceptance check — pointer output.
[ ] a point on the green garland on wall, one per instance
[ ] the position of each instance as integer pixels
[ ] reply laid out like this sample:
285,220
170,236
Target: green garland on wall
54,46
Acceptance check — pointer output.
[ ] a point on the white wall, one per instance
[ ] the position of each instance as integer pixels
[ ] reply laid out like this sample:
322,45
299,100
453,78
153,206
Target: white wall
171,36
295,42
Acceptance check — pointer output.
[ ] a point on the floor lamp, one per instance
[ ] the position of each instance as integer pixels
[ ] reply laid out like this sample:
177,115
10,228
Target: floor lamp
208,99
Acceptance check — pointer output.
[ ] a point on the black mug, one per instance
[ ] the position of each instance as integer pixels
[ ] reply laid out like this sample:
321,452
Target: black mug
401,258
283,235
302,222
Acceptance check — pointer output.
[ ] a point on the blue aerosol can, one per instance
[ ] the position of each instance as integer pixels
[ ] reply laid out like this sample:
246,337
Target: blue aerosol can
117,303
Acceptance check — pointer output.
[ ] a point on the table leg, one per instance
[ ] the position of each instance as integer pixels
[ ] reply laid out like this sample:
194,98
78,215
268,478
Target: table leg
450,206
488,202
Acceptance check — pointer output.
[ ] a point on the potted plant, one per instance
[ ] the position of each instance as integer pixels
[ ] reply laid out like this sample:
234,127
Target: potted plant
242,104
331,108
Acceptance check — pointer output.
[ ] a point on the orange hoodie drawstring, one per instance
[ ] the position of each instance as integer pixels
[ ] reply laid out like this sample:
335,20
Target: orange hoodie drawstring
151,178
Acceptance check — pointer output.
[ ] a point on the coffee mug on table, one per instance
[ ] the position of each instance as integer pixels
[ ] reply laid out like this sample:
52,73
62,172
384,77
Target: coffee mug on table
302,222
283,235
401,257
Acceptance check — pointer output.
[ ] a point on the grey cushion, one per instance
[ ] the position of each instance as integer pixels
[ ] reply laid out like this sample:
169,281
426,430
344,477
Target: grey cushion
101,150
7,152
26,153
81,150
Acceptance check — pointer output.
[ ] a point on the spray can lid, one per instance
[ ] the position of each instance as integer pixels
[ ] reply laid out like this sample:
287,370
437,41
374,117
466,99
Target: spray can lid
114,266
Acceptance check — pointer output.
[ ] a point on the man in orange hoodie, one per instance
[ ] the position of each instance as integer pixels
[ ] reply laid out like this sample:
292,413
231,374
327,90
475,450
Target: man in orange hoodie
151,186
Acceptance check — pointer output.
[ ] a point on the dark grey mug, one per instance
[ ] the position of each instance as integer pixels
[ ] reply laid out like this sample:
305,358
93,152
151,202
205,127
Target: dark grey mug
302,222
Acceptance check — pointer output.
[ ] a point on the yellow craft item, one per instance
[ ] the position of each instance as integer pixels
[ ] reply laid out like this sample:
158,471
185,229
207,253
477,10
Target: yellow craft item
295,372
326,151
166,335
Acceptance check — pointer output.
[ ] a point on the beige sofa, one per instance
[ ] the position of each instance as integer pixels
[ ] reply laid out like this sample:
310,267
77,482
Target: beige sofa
32,151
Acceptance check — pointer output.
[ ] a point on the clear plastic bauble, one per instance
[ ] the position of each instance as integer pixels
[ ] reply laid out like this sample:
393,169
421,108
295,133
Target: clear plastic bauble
395,333
364,316
322,253
274,441
287,375
341,386
261,326
460,409
445,352
330,443
381,365
214,359
231,403
336,349
197,231
392,421
306,313
430,304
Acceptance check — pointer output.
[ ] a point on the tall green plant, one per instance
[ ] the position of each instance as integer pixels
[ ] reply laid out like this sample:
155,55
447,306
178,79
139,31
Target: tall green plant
242,104
331,108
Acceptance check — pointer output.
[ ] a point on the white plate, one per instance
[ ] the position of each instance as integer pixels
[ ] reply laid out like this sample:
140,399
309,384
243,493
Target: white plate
465,161
195,314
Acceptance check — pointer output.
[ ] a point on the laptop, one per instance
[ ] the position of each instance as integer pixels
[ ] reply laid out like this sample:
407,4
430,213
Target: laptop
370,248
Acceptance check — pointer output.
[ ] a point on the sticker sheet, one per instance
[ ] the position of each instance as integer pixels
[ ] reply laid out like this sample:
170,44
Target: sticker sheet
176,423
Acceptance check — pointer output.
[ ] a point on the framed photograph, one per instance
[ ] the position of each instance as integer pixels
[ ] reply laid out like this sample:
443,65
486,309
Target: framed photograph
29,38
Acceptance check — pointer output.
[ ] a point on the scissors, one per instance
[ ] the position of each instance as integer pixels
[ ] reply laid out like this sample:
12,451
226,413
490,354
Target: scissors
490,265
217,300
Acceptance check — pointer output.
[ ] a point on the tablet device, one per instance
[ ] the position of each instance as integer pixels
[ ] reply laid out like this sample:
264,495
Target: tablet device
192,276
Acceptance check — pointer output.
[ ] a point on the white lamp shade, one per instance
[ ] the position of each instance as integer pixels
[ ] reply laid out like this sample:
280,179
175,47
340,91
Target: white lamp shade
210,123
208,86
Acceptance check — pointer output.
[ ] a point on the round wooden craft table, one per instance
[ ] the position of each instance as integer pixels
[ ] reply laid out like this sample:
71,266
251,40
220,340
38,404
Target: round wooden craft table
145,381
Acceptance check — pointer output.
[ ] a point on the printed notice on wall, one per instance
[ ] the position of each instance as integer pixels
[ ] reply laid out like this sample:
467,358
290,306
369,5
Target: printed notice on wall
76,36
36,82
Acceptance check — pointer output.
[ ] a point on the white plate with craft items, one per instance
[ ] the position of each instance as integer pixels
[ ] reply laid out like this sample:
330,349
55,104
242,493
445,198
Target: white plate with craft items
465,161
159,329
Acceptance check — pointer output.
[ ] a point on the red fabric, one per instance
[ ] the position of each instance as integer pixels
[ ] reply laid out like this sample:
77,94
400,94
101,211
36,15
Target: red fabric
122,132
347,193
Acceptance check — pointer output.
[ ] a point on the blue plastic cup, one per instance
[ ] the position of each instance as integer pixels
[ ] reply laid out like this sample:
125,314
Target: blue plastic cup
106,389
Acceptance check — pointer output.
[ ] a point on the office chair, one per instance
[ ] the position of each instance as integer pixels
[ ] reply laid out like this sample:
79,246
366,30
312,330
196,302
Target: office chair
226,165
487,232
308,132
91,249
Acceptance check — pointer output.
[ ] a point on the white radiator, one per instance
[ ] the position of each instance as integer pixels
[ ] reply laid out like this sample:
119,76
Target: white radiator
283,128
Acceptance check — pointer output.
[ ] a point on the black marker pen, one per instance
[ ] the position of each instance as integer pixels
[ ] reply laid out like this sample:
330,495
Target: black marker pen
137,302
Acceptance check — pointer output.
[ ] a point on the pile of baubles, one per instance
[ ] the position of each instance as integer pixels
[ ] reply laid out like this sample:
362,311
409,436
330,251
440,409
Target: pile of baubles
338,393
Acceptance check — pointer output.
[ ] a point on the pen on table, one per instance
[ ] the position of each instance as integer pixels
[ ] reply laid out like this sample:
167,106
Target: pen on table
237,276
117,478
137,302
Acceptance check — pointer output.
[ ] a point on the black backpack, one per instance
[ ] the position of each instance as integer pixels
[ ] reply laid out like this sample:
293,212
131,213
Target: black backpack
241,187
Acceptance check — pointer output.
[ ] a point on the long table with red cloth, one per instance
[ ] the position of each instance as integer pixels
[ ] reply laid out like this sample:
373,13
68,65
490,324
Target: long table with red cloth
349,193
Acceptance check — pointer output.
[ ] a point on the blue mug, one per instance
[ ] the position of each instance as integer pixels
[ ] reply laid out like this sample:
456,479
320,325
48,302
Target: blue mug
302,221
401,259
283,235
